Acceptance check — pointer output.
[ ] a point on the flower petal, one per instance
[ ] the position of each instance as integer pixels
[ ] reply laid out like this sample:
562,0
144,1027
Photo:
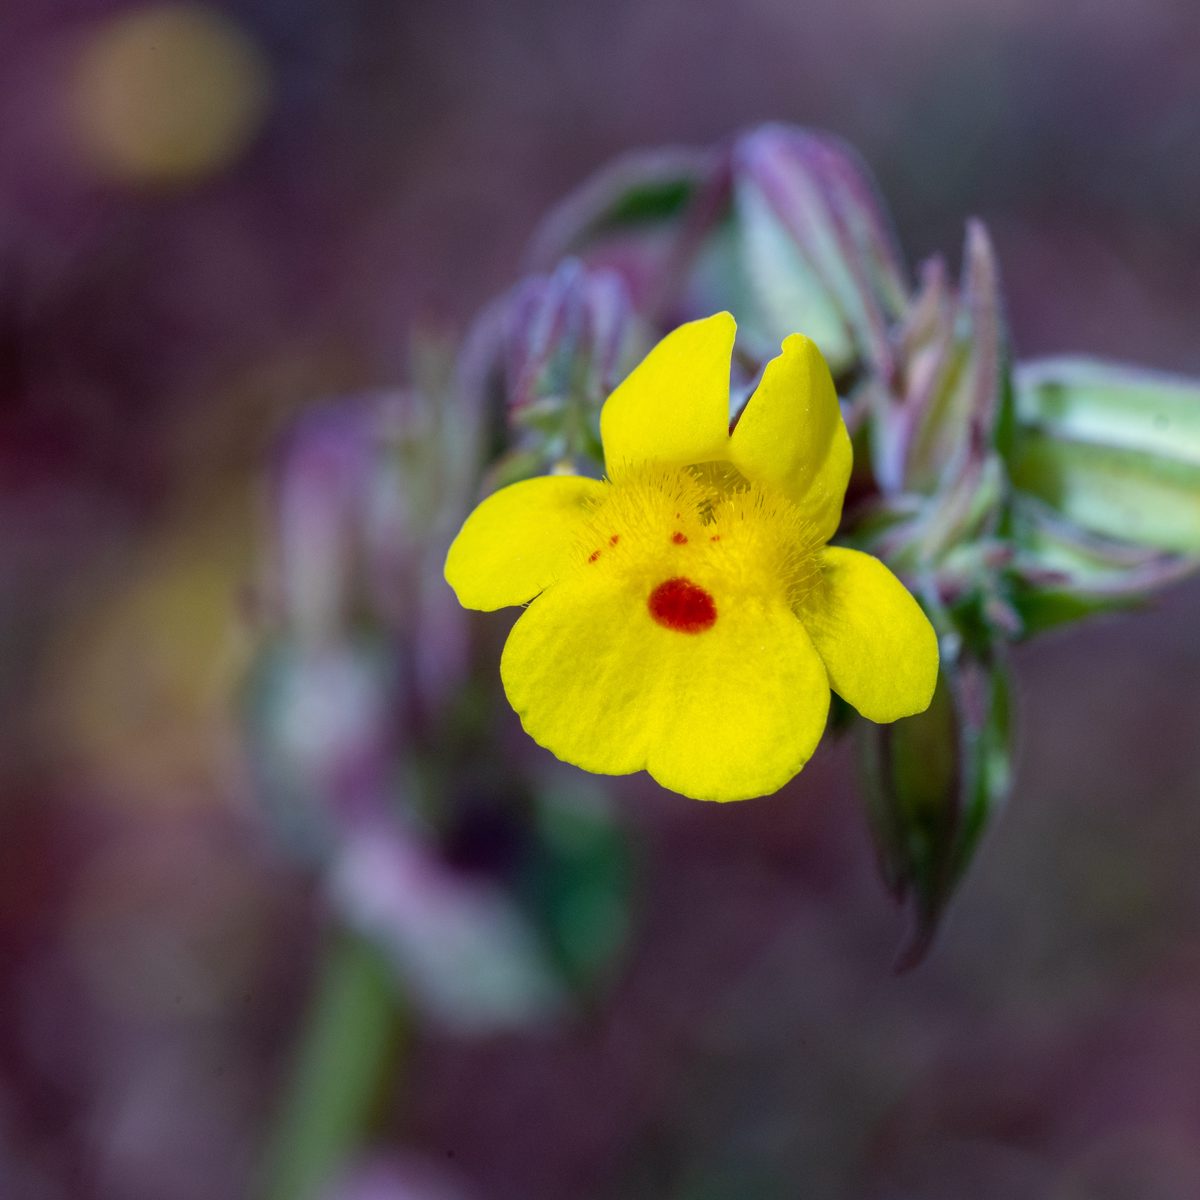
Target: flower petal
673,407
513,545
879,648
725,714
791,434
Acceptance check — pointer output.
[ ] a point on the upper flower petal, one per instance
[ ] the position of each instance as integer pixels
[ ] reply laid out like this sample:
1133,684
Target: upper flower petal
514,544
731,711
791,434
673,407
879,648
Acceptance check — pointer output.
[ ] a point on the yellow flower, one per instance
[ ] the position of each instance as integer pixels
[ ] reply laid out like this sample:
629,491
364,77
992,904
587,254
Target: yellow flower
687,617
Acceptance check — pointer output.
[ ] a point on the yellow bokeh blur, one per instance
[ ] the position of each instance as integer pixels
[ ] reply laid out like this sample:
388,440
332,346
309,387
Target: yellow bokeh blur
168,93
138,693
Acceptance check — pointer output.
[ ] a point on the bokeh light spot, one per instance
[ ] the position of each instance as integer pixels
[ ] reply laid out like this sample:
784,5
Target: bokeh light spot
167,93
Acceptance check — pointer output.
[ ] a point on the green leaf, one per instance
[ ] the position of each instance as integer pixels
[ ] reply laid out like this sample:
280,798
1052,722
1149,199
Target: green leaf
1041,610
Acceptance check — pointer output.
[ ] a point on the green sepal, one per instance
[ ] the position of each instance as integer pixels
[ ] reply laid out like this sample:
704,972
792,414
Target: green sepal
1061,573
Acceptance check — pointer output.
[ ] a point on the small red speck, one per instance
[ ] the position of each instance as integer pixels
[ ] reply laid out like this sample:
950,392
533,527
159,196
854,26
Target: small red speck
716,537
681,605
678,538
616,537
595,554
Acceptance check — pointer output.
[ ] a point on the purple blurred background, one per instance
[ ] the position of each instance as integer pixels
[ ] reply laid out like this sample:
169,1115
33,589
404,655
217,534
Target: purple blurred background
357,169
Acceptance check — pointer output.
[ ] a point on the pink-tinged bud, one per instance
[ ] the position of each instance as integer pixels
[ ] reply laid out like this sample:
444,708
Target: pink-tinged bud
938,440
814,245
363,649
555,347
567,339
940,417
783,226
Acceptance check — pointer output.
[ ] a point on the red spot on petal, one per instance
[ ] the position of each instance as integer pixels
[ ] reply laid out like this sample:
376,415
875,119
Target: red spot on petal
616,537
680,605
595,554
678,538
716,537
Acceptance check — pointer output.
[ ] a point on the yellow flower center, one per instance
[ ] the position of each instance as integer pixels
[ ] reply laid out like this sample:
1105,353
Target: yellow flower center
694,540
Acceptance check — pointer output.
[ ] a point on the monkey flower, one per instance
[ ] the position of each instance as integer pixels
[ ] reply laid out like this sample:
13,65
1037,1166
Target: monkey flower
685,615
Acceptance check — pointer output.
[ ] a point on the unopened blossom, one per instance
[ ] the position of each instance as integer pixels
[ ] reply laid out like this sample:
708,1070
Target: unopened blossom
685,615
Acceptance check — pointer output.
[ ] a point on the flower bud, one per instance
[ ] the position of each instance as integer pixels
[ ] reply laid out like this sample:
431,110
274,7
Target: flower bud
1113,450
942,416
424,470
937,436
815,247
783,226
560,344
932,783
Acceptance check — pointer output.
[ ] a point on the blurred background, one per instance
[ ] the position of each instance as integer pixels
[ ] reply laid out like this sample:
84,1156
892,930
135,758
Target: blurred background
214,217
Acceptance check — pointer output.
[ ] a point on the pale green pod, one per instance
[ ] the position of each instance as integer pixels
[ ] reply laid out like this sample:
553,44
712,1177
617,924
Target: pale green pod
1113,449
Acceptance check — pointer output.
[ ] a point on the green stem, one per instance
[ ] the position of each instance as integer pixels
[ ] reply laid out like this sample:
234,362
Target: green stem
342,1074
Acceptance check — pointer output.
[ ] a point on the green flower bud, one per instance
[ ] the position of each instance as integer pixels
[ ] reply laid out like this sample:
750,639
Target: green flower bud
1113,450
933,782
